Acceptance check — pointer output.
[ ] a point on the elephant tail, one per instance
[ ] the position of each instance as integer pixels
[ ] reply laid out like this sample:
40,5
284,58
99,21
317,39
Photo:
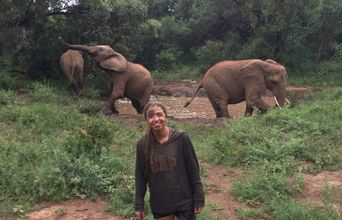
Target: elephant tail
155,94
73,74
194,96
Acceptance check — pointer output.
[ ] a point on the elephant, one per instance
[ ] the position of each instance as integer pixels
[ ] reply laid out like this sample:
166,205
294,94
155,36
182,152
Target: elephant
233,81
130,80
71,64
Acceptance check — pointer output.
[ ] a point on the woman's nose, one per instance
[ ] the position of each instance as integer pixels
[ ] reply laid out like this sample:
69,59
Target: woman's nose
155,118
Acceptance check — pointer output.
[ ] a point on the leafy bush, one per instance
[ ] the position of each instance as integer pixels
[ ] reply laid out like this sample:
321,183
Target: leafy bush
43,92
90,140
214,51
7,80
167,59
8,98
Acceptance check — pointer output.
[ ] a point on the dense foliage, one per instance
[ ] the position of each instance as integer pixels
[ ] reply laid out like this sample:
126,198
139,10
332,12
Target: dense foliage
166,34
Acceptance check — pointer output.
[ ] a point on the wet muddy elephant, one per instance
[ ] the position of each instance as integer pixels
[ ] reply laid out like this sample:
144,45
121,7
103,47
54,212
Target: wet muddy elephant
71,64
128,79
231,82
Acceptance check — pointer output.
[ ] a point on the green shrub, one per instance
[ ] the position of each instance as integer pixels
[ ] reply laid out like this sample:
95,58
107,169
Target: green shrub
212,52
7,80
8,98
93,138
44,92
45,118
167,59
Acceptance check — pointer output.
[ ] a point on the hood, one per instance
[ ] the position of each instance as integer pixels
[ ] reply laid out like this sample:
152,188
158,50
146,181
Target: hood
173,135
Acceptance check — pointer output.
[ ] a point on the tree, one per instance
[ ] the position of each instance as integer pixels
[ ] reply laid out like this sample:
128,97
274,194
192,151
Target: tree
328,19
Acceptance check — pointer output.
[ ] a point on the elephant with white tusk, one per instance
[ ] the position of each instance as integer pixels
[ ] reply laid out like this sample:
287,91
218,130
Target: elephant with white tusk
129,80
71,64
231,82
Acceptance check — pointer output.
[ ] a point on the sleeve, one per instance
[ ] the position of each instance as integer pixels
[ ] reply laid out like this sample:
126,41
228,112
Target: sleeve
192,168
140,178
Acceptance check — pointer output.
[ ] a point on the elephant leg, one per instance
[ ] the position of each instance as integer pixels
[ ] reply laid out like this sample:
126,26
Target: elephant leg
111,106
73,80
218,99
117,92
220,107
262,105
137,105
140,99
74,87
255,101
80,78
249,110
78,82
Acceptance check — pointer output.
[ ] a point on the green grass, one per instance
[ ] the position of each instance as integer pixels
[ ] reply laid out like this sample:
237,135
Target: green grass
275,146
179,73
49,150
54,146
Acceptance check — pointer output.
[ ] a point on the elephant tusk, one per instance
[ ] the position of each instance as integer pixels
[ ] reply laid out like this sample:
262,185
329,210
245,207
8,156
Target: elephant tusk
287,101
277,103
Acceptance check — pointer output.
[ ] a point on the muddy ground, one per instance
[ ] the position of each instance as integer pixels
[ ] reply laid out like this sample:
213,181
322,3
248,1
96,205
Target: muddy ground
217,179
174,95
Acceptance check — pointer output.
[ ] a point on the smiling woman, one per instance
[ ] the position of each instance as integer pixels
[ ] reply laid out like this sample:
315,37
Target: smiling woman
166,161
155,117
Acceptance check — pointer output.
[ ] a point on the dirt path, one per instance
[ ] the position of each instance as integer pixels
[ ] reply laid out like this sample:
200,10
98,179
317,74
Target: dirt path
218,183
74,210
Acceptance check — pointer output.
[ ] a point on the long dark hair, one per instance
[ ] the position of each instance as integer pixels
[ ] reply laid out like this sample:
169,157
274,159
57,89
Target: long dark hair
148,148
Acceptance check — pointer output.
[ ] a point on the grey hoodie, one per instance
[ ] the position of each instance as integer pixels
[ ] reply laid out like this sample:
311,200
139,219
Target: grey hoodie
173,177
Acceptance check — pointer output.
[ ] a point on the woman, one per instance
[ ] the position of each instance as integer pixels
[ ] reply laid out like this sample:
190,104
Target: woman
167,162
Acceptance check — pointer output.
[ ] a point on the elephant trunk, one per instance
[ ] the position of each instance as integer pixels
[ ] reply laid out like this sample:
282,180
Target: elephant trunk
83,48
280,97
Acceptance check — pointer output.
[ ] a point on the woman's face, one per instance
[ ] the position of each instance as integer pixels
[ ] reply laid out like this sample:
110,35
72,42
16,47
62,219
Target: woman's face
156,118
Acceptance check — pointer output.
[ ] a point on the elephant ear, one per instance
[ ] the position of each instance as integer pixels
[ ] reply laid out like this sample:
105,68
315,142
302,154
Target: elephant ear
115,62
253,75
272,61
